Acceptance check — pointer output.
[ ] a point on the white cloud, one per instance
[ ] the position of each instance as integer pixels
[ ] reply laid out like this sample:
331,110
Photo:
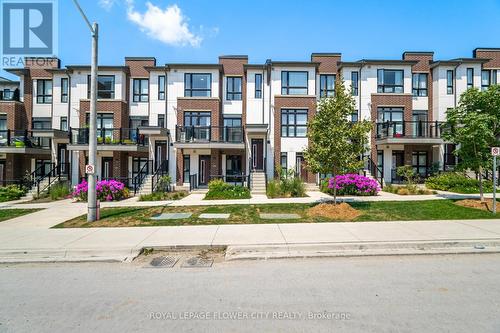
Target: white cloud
107,4
168,26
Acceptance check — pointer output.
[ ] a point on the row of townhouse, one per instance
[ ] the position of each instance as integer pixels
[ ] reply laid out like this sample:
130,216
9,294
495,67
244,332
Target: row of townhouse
228,119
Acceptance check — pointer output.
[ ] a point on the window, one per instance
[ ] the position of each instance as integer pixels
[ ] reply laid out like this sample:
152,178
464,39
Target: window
141,90
258,85
197,85
233,89
105,87
233,132
293,123
419,84
44,91
161,87
7,94
161,120
449,82
354,83
485,79
185,168
196,118
419,163
104,125
284,161
389,81
326,85
294,83
63,126
354,116
64,90
494,74
42,123
470,78
390,120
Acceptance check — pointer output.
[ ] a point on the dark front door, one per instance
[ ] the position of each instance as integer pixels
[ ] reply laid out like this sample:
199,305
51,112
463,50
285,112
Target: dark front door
107,168
160,153
398,159
63,158
257,154
300,167
2,172
204,169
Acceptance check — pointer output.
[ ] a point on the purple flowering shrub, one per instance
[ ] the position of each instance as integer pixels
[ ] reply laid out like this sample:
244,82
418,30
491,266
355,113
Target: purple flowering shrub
107,190
354,184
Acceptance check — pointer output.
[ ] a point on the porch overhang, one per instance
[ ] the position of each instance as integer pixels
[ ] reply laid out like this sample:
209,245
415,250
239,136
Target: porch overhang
50,133
130,148
409,141
256,128
153,131
210,145
24,150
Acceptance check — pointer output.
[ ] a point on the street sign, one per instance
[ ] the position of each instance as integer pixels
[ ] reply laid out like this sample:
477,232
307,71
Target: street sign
90,169
495,151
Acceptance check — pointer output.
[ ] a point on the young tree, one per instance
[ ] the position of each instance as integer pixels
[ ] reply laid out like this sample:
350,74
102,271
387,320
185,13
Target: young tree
475,127
336,143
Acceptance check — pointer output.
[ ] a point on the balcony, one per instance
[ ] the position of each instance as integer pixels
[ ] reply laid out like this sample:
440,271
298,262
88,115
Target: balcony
411,132
209,137
9,96
109,139
23,142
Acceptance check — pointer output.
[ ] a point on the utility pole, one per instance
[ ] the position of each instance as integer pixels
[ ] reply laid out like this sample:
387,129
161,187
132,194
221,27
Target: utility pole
92,197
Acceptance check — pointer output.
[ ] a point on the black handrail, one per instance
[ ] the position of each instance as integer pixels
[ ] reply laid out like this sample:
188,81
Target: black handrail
161,171
193,182
375,170
141,175
108,136
410,129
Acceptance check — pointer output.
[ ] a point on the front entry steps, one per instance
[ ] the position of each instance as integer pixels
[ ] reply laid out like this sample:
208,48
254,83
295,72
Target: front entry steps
258,182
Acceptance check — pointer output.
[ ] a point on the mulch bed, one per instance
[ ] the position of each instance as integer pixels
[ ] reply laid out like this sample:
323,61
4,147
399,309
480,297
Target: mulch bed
342,211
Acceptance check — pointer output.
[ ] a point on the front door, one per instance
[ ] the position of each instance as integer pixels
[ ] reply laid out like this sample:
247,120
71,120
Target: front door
258,154
300,167
398,159
62,158
160,153
107,168
204,169
2,172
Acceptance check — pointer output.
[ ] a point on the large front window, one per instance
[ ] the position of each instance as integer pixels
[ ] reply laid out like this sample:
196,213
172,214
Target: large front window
419,84
104,126
42,123
294,83
326,85
419,163
390,121
197,125
105,87
233,92
141,90
293,123
232,130
389,81
44,91
197,85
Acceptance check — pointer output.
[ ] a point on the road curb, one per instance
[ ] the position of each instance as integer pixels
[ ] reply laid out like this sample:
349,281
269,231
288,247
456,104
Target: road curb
244,252
69,255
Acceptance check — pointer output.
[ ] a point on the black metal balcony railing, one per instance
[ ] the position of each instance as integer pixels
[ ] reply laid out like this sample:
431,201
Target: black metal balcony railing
22,139
410,129
12,95
229,134
109,136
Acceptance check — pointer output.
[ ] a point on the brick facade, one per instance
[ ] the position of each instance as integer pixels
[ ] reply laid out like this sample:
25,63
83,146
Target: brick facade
492,54
328,62
423,66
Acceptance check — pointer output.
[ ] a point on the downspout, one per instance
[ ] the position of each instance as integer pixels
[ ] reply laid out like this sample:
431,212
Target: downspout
268,76
263,96
455,85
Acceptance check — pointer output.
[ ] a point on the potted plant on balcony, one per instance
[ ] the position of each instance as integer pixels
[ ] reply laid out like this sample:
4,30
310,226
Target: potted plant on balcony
99,140
19,144
107,140
128,142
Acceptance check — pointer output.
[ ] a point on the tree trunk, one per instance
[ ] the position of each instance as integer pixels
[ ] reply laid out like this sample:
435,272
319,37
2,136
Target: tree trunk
334,190
481,195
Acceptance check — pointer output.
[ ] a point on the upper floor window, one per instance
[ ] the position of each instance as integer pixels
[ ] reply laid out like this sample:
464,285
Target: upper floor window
389,81
105,87
197,85
197,119
494,78
233,89
6,94
470,78
258,85
419,84
141,90
354,83
293,123
64,90
354,116
326,85
294,83
161,87
449,82
63,126
44,91
161,120
485,79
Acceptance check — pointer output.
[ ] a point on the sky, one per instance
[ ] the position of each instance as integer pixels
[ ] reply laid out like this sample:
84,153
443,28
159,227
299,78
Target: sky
201,30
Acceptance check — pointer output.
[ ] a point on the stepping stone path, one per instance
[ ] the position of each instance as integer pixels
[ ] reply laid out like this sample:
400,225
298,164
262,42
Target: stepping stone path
171,216
279,216
214,216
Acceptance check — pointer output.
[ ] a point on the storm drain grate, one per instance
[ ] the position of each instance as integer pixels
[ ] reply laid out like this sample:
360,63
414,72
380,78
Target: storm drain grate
197,262
163,262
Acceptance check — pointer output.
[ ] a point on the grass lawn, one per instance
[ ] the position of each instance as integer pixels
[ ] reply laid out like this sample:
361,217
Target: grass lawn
6,214
249,214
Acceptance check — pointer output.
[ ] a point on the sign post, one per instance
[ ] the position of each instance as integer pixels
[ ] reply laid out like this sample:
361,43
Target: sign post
495,151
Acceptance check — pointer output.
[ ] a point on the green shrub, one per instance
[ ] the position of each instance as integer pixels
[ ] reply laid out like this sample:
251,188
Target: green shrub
159,196
273,189
59,191
11,192
218,189
456,182
286,187
407,190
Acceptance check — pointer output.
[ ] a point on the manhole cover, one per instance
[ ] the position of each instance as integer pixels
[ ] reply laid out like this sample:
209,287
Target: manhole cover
197,262
163,261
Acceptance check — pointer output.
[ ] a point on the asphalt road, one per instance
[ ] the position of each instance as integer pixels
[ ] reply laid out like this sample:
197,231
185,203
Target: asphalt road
369,294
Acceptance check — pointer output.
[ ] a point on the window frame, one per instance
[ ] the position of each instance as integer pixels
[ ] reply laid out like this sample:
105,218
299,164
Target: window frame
382,88
191,89
197,115
233,95
286,127
287,87
324,91
354,87
65,118
417,90
140,97
111,92
284,158
42,97
258,88
494,77
160,116
161,91
485,86
64,89
470,84
450,85
186,167
356,116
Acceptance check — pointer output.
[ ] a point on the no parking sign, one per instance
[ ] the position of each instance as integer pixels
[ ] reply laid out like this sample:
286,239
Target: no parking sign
495,151
89,169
